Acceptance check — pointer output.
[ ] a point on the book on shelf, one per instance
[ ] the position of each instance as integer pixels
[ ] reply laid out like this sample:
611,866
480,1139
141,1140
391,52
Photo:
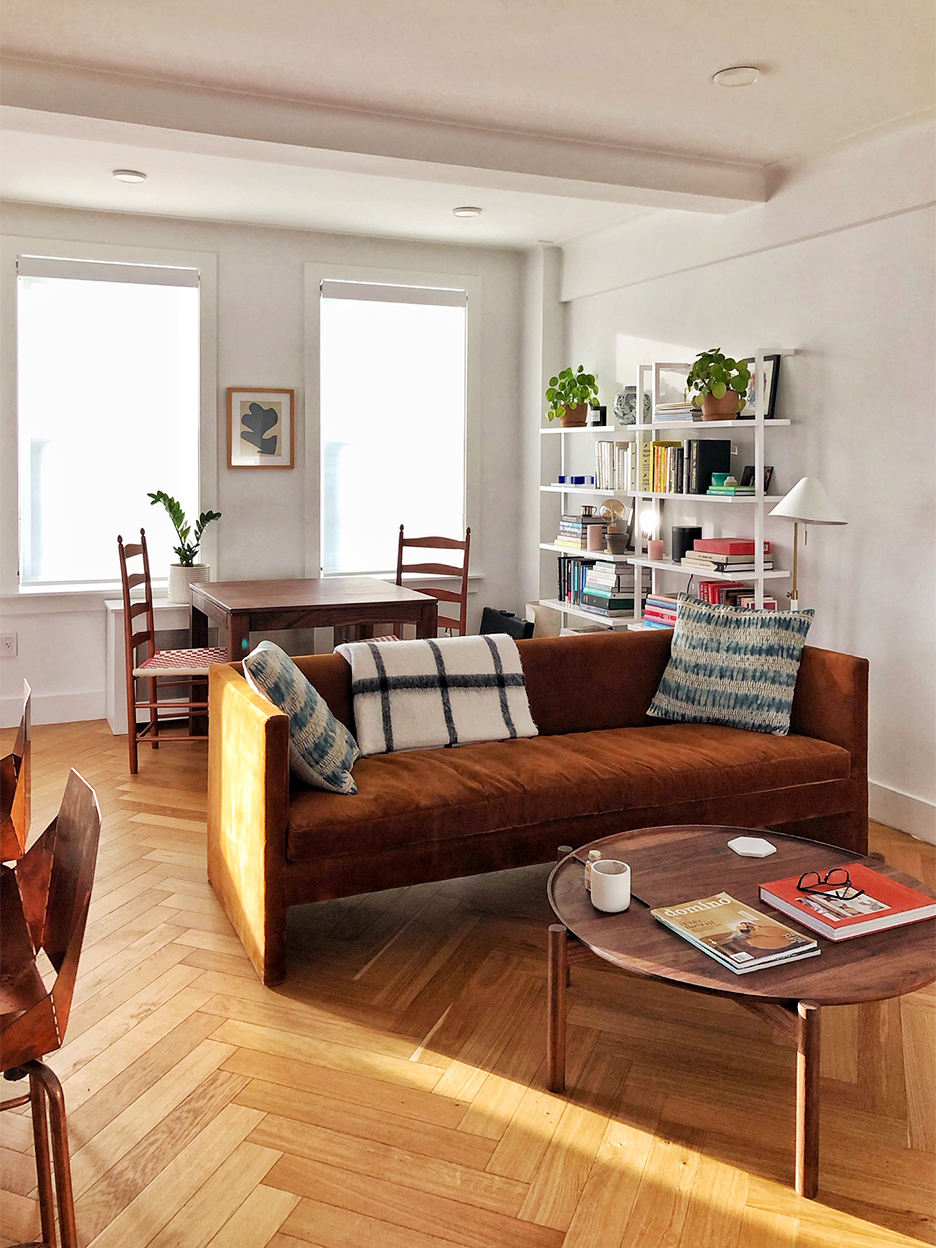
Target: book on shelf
735,935
716,565
731,491
881,903
649,623
707,455
727,546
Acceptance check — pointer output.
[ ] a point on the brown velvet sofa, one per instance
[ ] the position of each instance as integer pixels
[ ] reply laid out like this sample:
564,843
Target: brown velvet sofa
600,765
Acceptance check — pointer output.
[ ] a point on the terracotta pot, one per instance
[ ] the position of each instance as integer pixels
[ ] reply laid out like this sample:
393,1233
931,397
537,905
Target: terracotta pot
572,417
725,408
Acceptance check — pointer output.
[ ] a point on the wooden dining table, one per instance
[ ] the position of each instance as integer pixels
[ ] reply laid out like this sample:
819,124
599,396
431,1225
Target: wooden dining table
245,607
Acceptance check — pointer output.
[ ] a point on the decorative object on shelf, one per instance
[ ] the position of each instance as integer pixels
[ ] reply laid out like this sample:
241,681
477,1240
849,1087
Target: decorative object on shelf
620,531
807,503
597,416
747,476
655,548
186,572
570,394
719,382
625,407
682,537
669,384
261,428
769,379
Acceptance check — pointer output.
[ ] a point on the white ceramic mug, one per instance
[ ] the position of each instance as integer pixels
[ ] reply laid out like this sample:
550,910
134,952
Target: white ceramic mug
610,885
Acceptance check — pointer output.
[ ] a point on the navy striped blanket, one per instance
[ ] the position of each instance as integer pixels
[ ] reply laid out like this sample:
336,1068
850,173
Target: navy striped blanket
416,695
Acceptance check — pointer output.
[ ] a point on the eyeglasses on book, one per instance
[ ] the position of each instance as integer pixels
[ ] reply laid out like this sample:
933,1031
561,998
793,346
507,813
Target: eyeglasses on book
835,883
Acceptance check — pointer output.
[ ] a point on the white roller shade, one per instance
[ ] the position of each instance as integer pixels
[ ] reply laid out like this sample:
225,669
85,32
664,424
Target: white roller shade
394,294
102,271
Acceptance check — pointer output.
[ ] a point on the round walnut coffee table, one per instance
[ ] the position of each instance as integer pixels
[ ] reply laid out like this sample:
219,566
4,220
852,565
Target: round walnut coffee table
679,864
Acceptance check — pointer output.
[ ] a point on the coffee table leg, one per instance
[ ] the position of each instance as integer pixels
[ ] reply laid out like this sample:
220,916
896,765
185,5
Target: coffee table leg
807,1100
556,1009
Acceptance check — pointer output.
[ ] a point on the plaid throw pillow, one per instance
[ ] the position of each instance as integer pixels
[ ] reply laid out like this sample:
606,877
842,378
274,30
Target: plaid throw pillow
321,750
733,666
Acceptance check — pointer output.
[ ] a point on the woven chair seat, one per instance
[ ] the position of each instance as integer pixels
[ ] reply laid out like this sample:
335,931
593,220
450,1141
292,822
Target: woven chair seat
181,662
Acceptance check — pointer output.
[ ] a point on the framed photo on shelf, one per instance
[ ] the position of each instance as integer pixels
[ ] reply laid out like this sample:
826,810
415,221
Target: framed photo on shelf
769,379
747,476
261,427
669,383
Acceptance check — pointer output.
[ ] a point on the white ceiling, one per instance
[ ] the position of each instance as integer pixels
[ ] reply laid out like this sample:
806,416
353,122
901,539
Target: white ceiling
557,117
256,187
629,72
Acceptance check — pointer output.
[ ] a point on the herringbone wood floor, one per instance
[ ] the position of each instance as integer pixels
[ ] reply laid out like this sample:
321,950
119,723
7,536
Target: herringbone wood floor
391,1094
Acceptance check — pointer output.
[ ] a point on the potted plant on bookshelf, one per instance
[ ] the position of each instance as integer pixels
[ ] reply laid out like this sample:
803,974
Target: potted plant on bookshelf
186,572
719,383
570,394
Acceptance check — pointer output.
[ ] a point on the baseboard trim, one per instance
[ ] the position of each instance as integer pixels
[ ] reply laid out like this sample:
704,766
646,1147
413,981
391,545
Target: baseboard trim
54,708
900,810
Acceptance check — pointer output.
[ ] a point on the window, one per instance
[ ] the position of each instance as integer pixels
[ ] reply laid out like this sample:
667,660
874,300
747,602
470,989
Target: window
393,401
108,406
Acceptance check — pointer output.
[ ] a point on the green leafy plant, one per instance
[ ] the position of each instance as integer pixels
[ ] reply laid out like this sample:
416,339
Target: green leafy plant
186,550
715,374
569,389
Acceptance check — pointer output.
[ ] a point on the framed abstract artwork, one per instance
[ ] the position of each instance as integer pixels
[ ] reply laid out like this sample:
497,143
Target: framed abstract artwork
261,428
769,379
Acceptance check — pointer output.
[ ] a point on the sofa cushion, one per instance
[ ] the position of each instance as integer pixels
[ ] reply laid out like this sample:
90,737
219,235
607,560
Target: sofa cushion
321,750
731,665
430,795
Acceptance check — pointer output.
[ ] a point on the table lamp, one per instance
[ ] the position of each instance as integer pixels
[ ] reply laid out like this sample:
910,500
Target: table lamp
807,503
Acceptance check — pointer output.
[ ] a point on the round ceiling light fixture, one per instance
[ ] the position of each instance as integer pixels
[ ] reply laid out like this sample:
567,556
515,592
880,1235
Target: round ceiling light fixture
737,76
129,175
466,210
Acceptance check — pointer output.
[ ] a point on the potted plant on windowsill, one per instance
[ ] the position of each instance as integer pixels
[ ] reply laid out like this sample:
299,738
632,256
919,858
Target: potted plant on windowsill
719,383
570,394
186,572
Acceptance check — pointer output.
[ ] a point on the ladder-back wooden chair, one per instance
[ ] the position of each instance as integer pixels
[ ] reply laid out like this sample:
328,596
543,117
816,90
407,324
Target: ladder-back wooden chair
15,789
457,624
45,901
160,667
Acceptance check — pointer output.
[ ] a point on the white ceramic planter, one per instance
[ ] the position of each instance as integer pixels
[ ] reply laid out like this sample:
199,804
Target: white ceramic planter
181,578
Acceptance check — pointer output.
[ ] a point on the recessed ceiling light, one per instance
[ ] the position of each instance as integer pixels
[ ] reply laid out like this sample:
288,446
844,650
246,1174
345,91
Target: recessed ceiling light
129,175
737,76
466,211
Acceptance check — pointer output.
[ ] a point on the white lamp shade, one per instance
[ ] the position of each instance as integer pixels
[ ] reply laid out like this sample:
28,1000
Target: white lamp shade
809,503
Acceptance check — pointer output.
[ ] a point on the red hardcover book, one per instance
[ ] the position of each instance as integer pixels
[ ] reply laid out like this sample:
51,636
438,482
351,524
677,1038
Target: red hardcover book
883,903
727,546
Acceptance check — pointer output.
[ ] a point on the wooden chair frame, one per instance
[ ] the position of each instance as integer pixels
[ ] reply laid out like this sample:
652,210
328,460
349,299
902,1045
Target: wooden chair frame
171,710
16,788
45,902
440,569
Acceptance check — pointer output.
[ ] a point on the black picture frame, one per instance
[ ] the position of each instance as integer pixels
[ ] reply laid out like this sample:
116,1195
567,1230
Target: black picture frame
747,476
772,373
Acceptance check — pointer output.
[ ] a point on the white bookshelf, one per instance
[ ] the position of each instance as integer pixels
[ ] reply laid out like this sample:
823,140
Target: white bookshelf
666,576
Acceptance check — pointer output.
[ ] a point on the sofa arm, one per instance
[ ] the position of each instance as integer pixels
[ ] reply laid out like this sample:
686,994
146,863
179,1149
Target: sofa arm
248,803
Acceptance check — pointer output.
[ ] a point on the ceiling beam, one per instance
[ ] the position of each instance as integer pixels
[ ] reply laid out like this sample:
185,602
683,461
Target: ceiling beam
402,147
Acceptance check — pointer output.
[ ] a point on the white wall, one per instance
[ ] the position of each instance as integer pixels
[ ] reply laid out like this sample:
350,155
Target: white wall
856,301
261,342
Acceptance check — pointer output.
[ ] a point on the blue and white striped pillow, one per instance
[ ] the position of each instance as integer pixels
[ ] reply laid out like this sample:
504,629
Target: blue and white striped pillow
321,750
733,666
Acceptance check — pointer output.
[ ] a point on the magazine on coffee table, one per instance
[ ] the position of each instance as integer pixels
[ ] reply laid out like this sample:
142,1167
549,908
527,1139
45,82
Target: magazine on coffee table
871,903
737,936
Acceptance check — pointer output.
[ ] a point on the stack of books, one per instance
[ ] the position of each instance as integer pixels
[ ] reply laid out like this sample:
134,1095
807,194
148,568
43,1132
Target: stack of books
735,935
572,573
676,411
724,554
732,491
610,471
732,594
660,611
871,902
573,531
609,589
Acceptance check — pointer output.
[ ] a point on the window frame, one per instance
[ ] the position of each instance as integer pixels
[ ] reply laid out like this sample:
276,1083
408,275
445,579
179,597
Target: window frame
315,274
11,247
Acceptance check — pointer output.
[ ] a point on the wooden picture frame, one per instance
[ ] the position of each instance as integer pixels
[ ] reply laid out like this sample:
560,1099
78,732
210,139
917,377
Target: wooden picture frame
264,418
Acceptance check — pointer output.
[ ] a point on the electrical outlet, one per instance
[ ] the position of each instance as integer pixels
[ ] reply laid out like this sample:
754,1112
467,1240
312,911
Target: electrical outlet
8,646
